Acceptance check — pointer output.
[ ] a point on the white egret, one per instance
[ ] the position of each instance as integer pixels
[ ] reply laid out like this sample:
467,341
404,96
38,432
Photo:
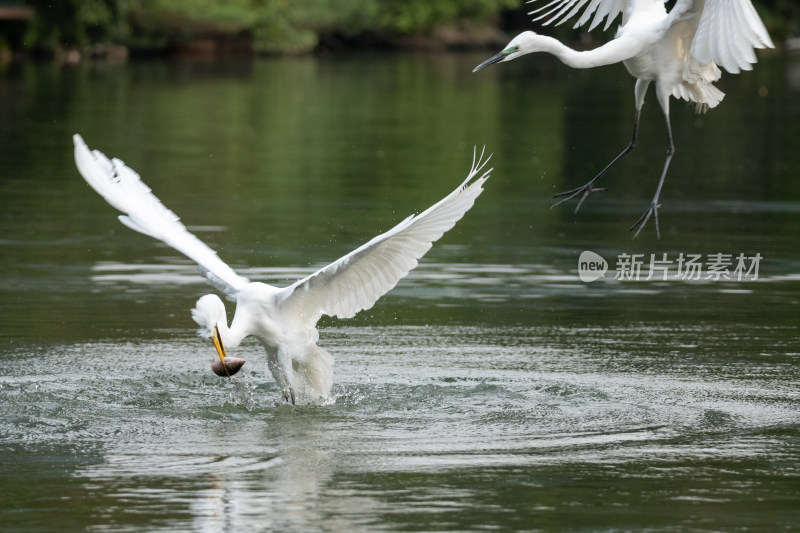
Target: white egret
679,50
283,319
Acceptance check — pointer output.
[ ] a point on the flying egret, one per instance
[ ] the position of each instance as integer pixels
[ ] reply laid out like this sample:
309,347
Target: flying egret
283,319
679,50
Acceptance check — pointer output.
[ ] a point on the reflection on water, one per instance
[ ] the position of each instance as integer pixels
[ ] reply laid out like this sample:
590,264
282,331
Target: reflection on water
491,389
455,282
423,416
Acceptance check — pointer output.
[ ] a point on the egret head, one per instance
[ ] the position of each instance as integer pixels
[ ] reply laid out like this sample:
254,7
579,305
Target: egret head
209,313
517,47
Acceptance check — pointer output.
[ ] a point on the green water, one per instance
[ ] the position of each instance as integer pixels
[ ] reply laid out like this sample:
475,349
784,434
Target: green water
491,389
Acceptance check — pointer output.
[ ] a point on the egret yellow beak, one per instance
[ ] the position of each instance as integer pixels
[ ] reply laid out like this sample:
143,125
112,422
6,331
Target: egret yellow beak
217,340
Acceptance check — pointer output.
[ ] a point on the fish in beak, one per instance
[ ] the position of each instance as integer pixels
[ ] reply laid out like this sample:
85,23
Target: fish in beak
226,366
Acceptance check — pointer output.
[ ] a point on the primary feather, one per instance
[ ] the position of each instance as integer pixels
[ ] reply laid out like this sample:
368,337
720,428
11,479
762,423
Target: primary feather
354,282
121,187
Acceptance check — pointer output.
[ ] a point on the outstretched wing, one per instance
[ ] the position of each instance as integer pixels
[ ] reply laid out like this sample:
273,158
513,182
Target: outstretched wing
123,189
559,11
727,33
356,281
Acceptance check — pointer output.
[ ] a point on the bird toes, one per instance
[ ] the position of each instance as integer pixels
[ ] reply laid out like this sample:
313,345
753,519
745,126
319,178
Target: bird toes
586,190
288,395
652,211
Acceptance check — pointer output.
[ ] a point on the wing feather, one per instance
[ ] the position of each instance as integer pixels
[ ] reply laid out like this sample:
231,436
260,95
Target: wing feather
728,33
559,11
356,281
557,15
122,187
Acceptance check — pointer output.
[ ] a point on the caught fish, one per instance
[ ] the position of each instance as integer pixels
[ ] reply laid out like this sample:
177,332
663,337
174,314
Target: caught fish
232,365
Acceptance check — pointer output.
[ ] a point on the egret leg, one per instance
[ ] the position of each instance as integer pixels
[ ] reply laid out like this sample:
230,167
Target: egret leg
288,394
280,364
589,187
285,365
652,209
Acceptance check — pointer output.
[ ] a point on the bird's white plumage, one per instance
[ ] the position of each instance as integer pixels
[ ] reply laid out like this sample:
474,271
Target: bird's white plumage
284,320
122,187
679,51
559,11
357,280
727,31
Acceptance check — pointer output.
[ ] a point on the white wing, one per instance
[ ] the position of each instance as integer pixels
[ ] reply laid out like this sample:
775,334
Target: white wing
356,281
122,188
727,33
559,11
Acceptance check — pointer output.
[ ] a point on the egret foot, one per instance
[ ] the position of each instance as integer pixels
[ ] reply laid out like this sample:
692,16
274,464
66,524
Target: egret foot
651,211
569,195
288,395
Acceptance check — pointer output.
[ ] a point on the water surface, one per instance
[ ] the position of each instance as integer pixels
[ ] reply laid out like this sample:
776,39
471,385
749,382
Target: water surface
492,389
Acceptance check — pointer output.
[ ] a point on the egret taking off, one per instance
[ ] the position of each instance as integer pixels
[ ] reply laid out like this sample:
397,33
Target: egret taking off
679,50
283,319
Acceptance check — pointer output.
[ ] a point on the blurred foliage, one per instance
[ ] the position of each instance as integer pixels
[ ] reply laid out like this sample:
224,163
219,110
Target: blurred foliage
782,18
275,26
283,26
72,23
